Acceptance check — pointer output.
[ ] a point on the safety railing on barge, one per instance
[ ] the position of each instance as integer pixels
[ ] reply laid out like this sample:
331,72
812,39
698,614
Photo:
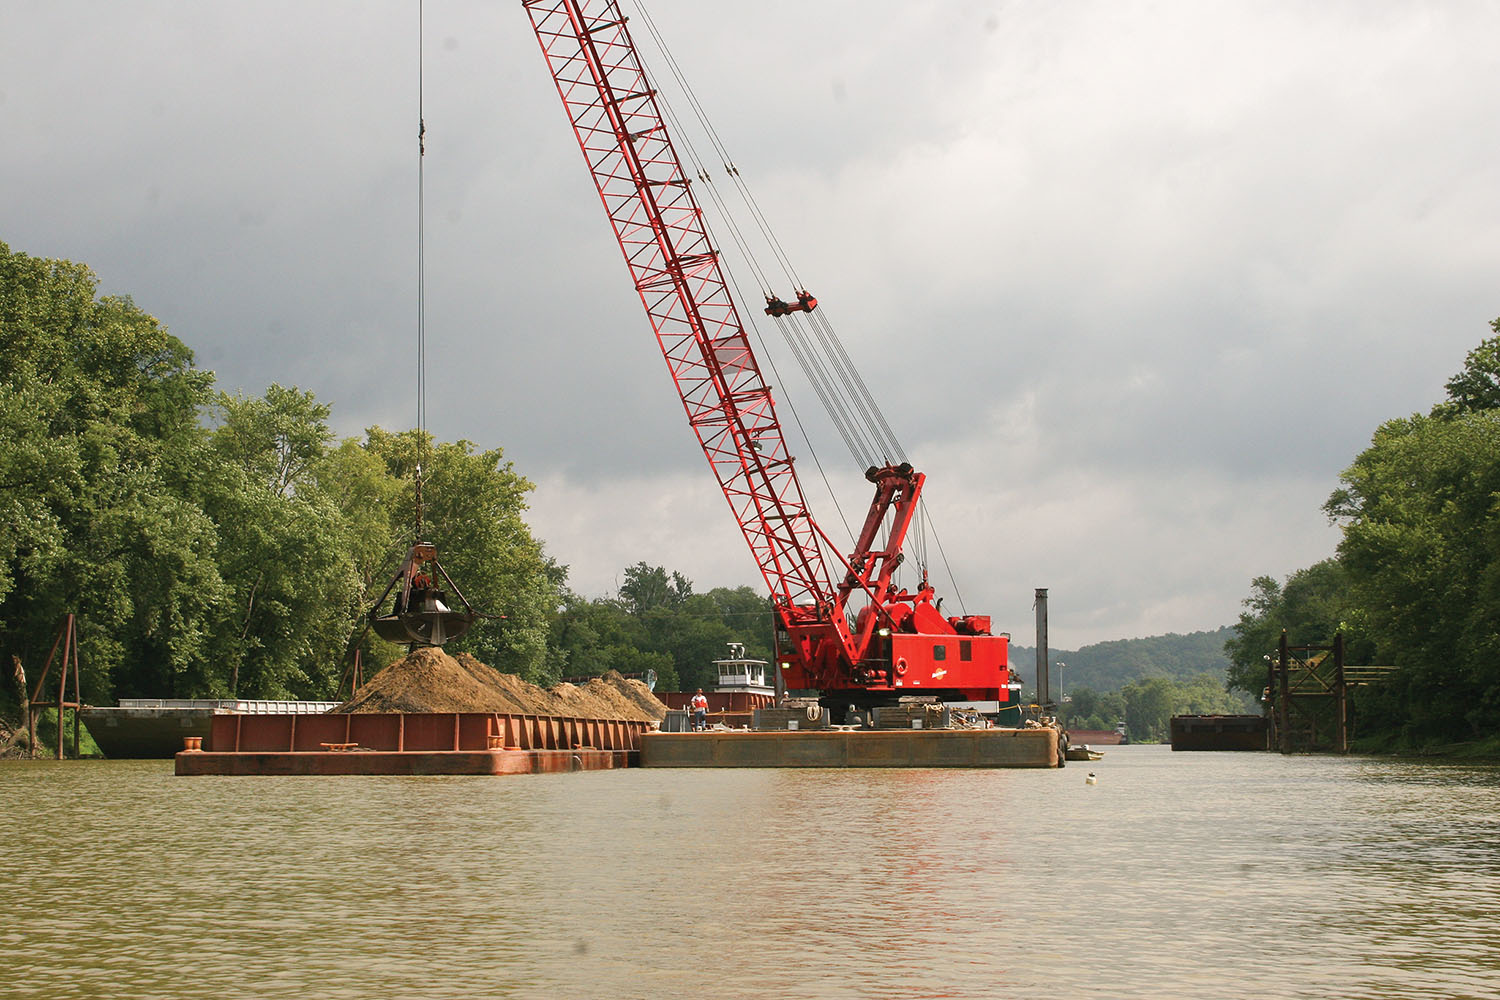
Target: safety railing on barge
430,731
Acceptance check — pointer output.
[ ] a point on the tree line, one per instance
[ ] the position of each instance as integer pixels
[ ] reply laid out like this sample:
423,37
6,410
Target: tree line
1415,580
215,544
1109,665
1145,707
1137,683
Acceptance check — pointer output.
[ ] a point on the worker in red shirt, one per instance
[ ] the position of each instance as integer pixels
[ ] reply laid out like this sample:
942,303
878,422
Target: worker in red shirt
699,705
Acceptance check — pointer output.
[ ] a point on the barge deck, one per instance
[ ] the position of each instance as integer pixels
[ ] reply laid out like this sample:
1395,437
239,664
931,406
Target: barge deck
410,743
968,748
495,743
1220,732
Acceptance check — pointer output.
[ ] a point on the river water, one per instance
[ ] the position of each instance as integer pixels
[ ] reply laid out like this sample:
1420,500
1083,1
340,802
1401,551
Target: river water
1176,875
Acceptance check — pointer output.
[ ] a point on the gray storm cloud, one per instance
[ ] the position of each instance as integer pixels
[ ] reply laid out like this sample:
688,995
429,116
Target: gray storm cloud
1132,282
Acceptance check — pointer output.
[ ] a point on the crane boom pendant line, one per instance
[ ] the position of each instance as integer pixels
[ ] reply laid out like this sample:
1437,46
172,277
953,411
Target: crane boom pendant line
897,643
676,271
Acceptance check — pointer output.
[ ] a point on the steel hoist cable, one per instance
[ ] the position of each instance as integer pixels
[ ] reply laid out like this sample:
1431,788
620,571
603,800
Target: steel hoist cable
421,265
824,392
856,397
849,403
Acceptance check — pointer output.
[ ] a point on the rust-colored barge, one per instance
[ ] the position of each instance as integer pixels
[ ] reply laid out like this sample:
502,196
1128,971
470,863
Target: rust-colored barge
411,743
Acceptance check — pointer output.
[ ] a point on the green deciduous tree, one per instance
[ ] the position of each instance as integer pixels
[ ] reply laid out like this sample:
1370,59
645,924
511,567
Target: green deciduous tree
1416,582
1477,387
474,503
651,588
1151,703
369,496
1313,605
215,545
1089,709
657,622
276,440
1421,516
99,409
291,586
1149,706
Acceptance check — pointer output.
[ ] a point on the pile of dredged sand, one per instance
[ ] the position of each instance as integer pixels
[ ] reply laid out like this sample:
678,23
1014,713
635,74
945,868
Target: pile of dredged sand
429,680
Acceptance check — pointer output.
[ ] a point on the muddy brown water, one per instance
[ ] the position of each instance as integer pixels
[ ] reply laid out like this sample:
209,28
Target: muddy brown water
1176,875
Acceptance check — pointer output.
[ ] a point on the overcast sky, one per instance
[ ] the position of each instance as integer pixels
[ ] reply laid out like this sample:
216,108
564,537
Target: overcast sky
1133,282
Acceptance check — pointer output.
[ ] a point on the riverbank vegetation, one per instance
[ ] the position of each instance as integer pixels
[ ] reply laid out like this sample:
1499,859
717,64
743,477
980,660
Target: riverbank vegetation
1138,683
1415,582
216,544
1110,665
1146,707
224,545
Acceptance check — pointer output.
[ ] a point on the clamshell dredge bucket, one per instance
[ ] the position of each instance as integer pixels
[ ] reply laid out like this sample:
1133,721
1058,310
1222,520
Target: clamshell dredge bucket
420,615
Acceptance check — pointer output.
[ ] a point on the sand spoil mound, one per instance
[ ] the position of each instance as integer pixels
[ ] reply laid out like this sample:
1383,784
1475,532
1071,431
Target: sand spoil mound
429,680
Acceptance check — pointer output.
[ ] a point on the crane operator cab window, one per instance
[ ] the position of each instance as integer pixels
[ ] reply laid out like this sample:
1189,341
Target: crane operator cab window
939,651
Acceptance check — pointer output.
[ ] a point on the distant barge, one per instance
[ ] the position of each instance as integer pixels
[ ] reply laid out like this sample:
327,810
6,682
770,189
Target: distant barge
156,727
1220,732
1099,737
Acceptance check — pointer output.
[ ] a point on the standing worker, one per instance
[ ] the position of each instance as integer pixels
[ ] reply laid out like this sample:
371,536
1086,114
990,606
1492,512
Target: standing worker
700,711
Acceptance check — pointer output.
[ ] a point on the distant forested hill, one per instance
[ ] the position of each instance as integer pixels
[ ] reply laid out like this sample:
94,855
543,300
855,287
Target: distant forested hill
1109,666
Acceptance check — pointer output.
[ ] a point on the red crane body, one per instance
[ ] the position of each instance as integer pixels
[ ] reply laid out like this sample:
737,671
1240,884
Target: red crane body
896,642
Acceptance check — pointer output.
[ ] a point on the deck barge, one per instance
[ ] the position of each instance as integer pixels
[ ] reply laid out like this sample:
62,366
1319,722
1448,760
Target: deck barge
1220,732
970,748
497,743
410,743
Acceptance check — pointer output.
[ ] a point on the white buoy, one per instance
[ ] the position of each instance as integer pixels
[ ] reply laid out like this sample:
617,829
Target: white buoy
1091,780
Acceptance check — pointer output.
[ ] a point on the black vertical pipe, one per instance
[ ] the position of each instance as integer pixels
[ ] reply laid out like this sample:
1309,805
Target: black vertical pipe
1340,692
1283,697
1043,686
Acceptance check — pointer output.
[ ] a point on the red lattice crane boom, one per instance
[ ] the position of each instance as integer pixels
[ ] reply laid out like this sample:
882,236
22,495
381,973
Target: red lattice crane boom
898,642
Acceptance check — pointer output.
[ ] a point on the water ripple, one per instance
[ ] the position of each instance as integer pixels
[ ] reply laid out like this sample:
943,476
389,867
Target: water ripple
1223,875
